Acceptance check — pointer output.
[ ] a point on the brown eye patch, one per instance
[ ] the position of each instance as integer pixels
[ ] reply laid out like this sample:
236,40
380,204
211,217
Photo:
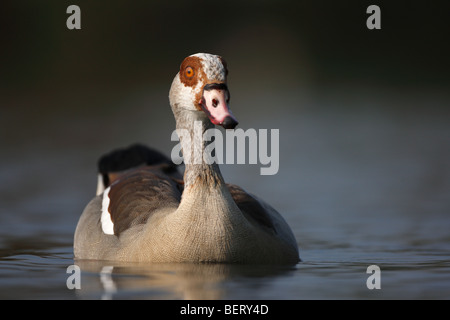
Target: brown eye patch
191,71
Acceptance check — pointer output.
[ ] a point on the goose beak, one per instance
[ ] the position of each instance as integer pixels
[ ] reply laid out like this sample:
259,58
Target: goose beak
215,104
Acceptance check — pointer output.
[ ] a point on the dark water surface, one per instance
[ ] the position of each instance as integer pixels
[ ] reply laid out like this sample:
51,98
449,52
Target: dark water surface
360,183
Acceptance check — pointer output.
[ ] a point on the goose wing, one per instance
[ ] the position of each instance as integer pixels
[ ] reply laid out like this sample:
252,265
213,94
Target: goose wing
252,208
136,195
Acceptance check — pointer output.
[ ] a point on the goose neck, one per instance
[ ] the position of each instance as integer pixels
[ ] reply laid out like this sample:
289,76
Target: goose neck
199,166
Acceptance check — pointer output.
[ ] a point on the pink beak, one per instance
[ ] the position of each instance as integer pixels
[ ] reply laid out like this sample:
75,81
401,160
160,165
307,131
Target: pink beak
215,105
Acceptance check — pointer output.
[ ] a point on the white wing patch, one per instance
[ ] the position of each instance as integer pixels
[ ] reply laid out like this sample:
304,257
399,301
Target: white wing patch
100,185
107,224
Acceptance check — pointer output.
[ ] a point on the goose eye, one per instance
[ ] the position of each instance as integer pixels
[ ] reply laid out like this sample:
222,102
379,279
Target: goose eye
189,72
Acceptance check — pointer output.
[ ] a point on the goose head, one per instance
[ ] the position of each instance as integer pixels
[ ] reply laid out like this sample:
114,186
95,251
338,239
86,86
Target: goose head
200,86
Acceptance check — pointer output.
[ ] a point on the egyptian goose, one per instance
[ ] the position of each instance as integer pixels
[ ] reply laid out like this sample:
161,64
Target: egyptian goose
147,214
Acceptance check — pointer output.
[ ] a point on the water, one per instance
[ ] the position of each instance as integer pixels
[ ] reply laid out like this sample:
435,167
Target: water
360,183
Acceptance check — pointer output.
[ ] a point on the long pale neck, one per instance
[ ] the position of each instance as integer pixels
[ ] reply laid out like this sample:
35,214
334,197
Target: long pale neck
191,126
207,213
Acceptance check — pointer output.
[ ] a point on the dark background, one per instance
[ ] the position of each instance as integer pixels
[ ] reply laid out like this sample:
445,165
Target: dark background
51,74
364,120
126,44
